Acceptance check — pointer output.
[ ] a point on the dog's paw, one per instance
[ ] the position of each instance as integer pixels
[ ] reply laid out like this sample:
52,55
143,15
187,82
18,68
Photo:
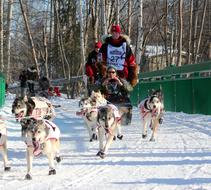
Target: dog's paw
28,177
58,159
52,172
101,154
94,137
144,136
160,120
120,137
7,168
152,139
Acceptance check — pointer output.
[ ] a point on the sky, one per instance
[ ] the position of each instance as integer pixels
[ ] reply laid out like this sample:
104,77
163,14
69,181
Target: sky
179,159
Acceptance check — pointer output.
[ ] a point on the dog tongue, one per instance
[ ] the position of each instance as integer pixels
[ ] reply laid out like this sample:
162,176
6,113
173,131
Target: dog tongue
19,115
37,150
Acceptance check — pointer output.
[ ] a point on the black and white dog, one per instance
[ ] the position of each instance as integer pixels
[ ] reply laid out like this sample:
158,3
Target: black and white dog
151,111
3,145
32,107
36,107
109,122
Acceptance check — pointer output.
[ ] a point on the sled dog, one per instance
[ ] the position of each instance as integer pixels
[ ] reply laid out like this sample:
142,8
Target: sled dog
36,107
33,107
108,121
89,115
151,111
42,136
3,145
98,97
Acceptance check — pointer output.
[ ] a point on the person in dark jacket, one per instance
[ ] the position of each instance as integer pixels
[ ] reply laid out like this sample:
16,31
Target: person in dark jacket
116,91
23,82
117,52
32,76
92,70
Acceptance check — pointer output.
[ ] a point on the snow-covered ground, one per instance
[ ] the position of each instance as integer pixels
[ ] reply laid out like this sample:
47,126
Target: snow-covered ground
180,159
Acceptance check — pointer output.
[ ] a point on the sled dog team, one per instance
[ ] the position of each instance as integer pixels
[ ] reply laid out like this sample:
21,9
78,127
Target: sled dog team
102,120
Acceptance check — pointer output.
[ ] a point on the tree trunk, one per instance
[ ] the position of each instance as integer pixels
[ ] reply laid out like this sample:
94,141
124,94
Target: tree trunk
46,51
194,33
51,40
30,37
117,11
180,5
190,31
166,32
140,33
103,12
95,15
129,18
82,64
9,17
201,29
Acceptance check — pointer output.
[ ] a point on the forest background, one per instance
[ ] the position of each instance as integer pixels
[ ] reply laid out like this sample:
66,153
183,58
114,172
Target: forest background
56,36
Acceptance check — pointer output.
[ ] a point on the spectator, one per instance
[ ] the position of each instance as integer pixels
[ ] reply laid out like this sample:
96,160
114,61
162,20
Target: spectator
92,70
23,82
117,52
32,76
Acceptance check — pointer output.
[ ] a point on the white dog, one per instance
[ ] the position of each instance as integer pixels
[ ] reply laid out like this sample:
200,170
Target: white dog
3,145
151,111
43,138
99,98
89,115
108,121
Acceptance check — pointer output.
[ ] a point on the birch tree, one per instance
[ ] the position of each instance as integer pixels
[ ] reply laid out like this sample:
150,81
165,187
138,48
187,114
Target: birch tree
201,29
82,64
9,17
140,32
117,11
129,18
180,6
30,37
190,31
103,20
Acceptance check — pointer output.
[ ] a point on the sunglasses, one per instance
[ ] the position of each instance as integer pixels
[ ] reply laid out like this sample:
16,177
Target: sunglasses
111,72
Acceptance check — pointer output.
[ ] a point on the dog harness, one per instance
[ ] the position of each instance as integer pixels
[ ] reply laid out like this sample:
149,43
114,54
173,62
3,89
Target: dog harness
41,108
144,110
116,111
54,132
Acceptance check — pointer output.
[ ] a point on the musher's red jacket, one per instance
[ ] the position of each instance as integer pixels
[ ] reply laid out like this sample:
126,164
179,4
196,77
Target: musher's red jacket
130,67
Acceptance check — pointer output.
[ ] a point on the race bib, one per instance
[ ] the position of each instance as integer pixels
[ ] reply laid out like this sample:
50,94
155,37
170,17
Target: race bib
116,56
